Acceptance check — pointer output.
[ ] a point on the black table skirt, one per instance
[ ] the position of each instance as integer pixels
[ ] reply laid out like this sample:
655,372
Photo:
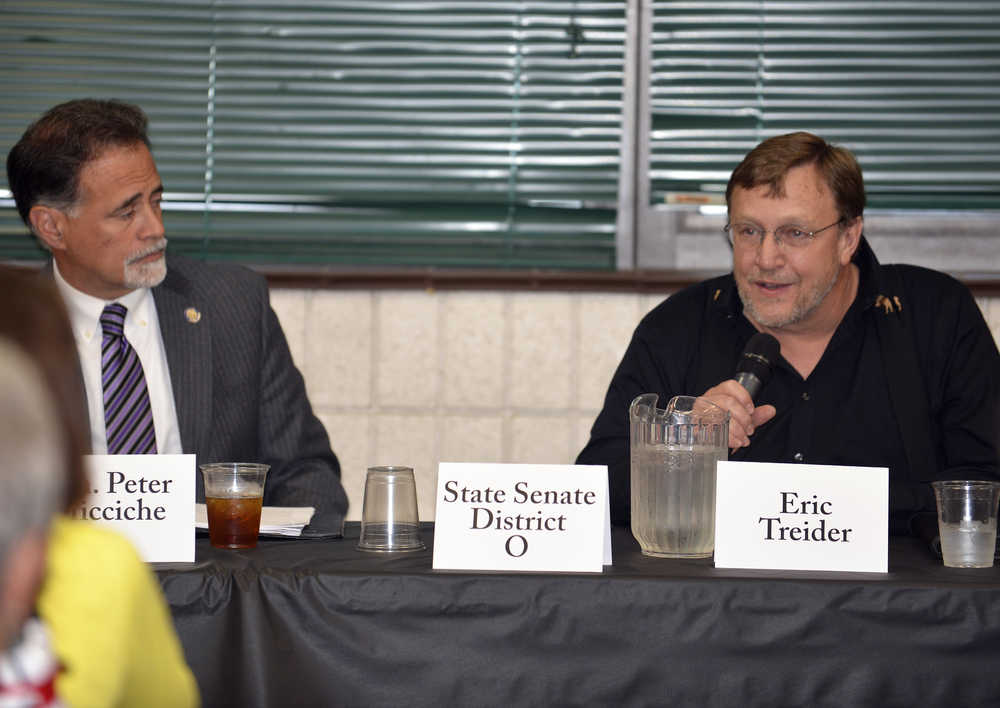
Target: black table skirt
319,623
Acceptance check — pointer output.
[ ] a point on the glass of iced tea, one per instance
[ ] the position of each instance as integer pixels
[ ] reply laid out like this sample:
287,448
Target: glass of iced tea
234,494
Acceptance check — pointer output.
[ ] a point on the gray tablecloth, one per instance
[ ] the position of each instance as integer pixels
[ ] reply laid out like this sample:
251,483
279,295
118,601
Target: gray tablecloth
318,623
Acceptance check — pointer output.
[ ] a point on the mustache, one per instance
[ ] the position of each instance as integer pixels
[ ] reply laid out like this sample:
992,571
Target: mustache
775,276
159,245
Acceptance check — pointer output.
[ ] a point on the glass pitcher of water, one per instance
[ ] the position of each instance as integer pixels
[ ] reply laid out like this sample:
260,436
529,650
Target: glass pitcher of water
673,457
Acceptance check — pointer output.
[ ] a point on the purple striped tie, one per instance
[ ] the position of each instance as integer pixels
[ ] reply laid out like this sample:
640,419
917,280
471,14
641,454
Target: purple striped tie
128,417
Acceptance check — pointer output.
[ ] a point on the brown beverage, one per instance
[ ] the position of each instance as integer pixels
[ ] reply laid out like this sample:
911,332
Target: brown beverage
233,522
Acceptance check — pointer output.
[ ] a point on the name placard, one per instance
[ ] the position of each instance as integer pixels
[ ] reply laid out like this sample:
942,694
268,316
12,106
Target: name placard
522,517
802,517
147,498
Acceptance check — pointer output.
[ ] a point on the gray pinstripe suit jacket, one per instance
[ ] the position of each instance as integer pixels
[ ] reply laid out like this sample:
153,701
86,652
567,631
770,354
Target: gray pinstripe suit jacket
237,392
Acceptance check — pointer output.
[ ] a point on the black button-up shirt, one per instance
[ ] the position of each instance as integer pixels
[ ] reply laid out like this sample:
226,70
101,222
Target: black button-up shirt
842,413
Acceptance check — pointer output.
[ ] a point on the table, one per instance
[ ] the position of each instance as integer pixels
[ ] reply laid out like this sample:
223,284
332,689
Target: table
318,623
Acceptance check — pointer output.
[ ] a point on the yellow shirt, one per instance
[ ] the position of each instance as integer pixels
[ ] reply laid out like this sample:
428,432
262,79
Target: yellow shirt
110,625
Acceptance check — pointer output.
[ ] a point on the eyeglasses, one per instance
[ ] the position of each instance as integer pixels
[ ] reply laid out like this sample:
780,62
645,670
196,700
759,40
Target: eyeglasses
744,234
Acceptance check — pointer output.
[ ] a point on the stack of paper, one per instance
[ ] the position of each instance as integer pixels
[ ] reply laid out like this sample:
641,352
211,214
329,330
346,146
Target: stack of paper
274,520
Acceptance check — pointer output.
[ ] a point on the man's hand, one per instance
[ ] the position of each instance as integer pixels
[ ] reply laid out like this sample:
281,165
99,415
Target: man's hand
744,417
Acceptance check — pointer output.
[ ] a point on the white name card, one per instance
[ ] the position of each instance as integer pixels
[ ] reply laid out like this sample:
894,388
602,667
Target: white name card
802,517
522,517
149,499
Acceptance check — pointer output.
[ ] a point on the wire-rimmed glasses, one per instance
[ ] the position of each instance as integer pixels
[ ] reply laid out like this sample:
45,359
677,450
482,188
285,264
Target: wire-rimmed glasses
747,234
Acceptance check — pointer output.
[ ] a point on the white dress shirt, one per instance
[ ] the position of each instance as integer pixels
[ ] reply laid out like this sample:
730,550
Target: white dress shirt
142,329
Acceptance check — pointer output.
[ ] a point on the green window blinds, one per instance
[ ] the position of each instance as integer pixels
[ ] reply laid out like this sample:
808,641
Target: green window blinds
913,88
368,132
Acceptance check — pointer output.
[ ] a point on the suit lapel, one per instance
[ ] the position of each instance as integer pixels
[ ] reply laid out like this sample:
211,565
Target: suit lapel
188,344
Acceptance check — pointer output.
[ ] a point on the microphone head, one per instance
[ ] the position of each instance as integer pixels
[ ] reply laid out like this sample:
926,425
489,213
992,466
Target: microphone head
758,357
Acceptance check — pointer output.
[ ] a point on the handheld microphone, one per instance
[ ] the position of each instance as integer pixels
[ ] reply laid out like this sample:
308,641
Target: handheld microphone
754,368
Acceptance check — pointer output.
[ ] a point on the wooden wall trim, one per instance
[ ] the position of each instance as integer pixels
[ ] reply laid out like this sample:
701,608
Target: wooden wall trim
642,281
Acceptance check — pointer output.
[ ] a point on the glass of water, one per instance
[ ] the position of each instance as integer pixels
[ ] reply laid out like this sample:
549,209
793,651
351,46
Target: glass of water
967,522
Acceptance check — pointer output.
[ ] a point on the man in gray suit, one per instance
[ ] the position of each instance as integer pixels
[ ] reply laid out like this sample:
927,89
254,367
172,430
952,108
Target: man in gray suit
176,355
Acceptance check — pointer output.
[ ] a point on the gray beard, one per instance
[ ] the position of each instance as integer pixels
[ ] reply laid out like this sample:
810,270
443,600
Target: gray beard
800,310
146,275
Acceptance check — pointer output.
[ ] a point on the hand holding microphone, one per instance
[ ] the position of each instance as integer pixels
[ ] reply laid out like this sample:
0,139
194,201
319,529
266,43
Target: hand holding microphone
736,395
756,363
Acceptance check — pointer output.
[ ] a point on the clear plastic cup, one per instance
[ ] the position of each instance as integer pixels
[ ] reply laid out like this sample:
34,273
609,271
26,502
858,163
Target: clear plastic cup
967,522
234,495
389,520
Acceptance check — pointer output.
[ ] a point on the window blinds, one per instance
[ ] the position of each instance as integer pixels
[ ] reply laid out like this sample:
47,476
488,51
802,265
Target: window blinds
370,132
913,88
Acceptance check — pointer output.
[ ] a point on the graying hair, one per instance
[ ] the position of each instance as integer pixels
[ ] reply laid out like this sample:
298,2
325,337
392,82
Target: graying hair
32,478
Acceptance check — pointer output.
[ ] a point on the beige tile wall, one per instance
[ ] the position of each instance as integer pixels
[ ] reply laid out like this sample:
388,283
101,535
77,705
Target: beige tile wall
416,377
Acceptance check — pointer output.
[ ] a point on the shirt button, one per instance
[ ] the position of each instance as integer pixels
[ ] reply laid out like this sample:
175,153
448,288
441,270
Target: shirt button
798,457
805,395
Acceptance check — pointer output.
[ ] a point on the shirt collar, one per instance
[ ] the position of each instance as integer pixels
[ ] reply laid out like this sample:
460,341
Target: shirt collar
85,310
725,297
868,274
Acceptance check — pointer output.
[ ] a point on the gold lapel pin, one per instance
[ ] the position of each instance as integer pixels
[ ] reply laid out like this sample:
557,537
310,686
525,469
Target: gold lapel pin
193,316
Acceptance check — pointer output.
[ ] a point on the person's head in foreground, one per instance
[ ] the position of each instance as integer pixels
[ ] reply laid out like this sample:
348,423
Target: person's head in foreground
85,183
35,318
32,485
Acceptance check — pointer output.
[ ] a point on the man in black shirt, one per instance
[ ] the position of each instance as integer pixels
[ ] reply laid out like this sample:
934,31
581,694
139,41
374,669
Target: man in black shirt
885,366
